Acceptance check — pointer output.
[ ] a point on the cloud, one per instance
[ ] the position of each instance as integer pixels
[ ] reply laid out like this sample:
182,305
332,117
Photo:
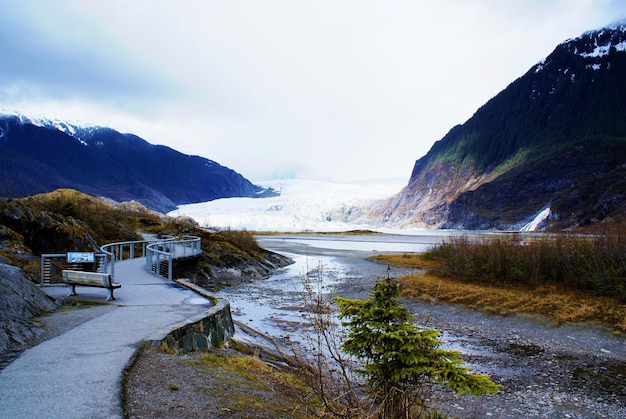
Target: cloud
51,51
341,89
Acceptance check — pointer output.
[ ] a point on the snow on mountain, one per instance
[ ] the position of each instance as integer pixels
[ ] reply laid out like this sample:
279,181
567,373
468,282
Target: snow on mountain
303,205
74,129
593,46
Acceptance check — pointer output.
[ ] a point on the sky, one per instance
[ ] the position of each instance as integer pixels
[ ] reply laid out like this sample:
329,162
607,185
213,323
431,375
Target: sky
340,90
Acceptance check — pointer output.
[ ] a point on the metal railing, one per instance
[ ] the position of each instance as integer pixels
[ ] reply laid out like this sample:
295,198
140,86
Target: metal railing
158,252
160,255
117,252
53,263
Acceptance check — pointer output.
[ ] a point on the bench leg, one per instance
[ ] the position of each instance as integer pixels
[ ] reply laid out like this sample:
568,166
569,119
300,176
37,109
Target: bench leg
72,291
110,296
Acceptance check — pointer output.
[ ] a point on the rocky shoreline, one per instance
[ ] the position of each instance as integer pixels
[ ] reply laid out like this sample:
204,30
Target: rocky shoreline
569,370
572,371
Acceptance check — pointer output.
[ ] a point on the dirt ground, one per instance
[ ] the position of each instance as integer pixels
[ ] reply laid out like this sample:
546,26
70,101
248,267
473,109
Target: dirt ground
161,385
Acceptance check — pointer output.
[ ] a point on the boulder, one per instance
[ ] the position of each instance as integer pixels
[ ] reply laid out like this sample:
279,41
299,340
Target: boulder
20,302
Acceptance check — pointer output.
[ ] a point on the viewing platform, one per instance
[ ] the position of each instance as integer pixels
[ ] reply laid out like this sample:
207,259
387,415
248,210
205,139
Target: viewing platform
79,372
158,256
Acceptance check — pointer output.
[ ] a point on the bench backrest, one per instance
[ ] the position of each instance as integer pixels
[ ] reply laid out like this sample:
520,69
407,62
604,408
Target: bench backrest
95,278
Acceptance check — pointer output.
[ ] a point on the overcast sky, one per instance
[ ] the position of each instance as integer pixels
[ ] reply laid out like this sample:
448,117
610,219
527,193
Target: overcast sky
336,89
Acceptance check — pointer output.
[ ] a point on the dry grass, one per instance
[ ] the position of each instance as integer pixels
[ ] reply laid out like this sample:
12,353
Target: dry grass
262,385
560,305
241,239
220,384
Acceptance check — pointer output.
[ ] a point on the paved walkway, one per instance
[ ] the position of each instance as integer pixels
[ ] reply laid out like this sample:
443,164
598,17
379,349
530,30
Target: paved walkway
79,373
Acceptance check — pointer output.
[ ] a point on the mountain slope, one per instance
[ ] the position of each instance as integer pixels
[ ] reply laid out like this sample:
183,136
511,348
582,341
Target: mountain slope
38,157
554,138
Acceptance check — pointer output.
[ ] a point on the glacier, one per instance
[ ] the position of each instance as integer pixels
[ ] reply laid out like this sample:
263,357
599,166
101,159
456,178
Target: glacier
306,205
303,205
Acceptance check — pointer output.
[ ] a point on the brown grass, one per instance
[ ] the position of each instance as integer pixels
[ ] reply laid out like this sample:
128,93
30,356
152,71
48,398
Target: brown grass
594,264
560,305
242,239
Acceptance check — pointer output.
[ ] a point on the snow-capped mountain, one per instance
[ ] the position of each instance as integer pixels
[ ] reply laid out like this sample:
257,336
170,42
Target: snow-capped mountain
303,205
40,155
68,127
597,44
553,143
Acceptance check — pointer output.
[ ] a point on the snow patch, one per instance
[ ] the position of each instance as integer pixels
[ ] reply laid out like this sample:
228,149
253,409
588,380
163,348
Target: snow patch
599,51
540,65
71,128
621,47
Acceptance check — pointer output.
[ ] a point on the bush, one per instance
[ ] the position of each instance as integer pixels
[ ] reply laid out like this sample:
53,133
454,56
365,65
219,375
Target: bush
242,239
595,263
401,361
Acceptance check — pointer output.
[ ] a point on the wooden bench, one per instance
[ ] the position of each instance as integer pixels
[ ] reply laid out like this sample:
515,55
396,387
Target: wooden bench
90,279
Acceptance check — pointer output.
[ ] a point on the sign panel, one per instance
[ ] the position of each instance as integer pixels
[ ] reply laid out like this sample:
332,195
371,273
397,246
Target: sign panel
81,257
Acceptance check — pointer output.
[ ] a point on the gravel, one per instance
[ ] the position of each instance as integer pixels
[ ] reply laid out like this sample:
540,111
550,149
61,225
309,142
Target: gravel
568,371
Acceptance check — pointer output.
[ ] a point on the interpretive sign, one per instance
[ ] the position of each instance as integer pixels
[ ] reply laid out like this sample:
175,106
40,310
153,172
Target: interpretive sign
81,257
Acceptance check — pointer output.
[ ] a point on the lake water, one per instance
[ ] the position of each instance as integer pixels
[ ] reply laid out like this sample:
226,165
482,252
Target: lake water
382,243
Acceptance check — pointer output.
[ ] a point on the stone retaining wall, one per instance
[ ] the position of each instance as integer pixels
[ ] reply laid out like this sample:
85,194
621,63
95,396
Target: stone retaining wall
199,333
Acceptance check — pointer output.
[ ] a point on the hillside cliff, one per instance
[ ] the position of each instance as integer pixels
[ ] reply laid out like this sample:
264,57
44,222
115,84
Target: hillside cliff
67,220
553,142
42,156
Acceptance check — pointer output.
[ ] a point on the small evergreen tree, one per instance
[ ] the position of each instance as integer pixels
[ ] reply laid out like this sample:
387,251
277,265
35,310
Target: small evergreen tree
400,359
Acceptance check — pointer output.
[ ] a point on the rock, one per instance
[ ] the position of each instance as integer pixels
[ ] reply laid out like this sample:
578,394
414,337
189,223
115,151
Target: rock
20,302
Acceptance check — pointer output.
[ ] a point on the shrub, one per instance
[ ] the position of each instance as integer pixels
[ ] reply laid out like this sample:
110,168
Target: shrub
242,239
594,263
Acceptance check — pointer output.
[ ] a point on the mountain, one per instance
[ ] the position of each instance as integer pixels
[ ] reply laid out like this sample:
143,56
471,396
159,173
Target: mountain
40,156
553,143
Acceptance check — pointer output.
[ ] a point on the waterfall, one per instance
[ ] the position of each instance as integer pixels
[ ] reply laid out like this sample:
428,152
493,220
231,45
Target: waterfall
539,218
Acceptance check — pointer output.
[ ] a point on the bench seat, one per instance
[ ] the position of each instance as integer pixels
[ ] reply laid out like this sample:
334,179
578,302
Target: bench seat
90,279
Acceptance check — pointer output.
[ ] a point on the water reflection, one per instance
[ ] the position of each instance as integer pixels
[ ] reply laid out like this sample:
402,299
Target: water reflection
275,306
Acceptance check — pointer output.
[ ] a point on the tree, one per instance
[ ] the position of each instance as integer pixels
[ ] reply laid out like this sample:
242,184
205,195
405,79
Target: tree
400,360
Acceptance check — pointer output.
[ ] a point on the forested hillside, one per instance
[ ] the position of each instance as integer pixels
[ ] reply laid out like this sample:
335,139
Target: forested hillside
553,139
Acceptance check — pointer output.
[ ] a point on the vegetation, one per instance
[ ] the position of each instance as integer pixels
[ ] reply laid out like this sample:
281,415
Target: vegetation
122,222
70,220
253,384
324,366
596,264
232,382
377,363
242,239
400,360
108,223
569,278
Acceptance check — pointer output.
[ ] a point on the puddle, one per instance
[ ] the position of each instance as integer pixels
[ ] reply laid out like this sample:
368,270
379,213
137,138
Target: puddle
604,378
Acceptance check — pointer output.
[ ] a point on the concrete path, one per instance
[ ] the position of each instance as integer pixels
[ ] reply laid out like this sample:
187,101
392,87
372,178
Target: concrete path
78,374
